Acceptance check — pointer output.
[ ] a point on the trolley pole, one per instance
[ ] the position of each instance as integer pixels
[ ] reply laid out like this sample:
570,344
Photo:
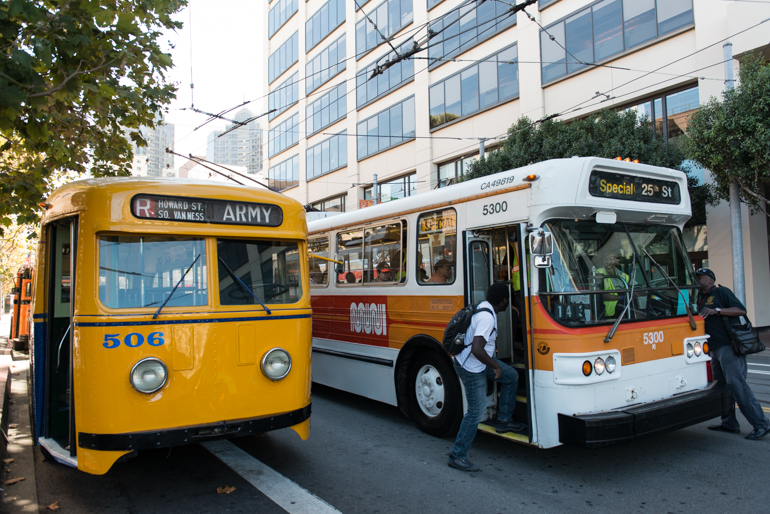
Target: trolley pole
739,283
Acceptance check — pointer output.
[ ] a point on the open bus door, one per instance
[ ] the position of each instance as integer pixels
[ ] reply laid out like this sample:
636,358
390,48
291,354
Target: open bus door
497,255
58,424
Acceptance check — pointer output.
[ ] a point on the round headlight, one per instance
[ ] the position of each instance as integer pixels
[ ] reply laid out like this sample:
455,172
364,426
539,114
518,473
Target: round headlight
697,349
587,368
690,351
148,375
599,365
276,364
610,364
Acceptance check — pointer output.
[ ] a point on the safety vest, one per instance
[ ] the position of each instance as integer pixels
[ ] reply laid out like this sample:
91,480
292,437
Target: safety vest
609,306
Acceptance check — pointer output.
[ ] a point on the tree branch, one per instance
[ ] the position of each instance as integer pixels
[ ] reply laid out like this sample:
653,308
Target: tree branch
755,195
77,72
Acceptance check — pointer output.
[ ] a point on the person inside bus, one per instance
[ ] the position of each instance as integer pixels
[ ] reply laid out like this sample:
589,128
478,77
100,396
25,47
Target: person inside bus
350,278
383,273
442,272
613,278
316,276
475,365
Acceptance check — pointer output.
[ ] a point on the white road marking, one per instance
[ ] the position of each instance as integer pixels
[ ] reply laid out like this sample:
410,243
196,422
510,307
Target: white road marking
288,495
759,372
757,364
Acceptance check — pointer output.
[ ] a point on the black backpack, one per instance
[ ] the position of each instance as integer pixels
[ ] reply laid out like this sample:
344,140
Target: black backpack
454,333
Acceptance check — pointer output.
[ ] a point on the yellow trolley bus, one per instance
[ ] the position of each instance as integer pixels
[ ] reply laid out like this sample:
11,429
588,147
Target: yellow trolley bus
167,312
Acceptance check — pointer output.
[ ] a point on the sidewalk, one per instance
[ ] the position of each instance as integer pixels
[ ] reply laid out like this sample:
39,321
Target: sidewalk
18,456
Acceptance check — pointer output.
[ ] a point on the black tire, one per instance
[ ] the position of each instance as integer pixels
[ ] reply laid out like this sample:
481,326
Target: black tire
435,397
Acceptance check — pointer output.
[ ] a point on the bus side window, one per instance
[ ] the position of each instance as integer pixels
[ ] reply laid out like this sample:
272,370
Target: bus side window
382,253
319,268
350,251
437,247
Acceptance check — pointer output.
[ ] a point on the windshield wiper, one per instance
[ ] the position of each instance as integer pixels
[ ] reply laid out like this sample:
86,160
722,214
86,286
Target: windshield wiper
176,286
243,286
614,328
686,305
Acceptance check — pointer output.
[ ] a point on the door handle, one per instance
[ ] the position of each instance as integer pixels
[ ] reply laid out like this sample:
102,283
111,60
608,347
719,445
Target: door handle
58,353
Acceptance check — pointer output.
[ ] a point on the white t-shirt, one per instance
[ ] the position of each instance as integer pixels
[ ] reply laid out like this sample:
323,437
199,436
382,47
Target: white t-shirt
483,324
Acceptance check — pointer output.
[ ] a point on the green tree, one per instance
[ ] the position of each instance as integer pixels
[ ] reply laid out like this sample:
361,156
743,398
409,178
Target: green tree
77,79
731,137
608,134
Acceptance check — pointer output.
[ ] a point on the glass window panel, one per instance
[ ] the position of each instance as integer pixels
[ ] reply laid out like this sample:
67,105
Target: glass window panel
488,83
381,19
408,107
658,103
436,99
372,135
319,268
360,38
136,271
350,252
579,40
334,156
453,98
361,144
679,107
508,74
485,14
639,21
436,247
310,173
673,14
553,57
467,26
394,14
470,90
395,74
343,142
608,29
371,36
450,34
396,124
264,270
406,12
384,129
324,151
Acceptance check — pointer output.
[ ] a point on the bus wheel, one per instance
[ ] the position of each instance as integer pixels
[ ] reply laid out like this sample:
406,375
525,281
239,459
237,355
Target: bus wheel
435,395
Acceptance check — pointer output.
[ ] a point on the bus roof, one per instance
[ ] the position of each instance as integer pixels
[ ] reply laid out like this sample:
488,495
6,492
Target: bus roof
109,198
559,182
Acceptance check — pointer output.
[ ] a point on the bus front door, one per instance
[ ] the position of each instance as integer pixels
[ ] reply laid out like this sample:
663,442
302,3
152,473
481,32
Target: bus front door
58,434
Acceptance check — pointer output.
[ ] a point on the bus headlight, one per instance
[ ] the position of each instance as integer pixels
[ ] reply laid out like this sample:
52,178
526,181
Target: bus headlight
690,351
610,364
697,349
599,365
276,364
149,375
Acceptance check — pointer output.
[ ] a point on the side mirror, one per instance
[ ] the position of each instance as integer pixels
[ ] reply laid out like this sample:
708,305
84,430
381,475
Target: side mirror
338,268
540,242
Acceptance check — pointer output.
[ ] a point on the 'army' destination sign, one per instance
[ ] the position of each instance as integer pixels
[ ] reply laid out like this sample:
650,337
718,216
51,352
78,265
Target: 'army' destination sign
205,210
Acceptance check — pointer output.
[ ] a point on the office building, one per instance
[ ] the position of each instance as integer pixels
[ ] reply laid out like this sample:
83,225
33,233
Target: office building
418,124
152,160
237,145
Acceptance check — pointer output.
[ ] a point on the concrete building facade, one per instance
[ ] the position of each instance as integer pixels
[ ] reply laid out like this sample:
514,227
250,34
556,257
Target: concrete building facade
336,129
152,160
237,145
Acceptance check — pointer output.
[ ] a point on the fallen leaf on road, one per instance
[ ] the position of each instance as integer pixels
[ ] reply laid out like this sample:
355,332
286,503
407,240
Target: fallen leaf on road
14,374
8,461
54,506
13,426
14,480
226,489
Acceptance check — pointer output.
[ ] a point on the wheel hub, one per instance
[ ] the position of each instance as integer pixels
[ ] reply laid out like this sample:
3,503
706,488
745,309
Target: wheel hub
429,390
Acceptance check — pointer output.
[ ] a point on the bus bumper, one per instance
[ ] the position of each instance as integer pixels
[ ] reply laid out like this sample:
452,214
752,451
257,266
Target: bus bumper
130,441
637,421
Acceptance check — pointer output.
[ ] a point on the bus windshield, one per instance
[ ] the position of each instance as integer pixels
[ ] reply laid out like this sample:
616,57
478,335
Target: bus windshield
590,279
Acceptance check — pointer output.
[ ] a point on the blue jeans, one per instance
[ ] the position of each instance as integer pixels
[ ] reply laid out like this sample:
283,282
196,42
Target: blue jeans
730,368
476,394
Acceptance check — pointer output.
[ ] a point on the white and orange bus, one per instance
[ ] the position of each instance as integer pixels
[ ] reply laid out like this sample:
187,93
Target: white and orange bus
605,344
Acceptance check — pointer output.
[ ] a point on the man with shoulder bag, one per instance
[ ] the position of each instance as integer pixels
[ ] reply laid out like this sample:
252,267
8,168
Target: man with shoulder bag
715,304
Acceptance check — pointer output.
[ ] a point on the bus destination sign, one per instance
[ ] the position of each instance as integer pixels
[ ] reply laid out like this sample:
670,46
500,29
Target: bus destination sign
634,188
205,210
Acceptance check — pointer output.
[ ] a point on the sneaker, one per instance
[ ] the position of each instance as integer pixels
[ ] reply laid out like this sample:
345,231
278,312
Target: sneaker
461,464
722,428
758,433
503,427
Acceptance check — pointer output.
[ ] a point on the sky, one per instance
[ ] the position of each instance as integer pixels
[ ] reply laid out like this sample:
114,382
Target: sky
223,41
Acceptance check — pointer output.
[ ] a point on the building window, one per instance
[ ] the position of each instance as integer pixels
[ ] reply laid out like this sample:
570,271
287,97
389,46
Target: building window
327,110
284,136
279,15
336,204
433,3
475,88
327,156
285,174
542,4
607,28
390,17
284,96
370,89
330,16
326,65
283,58
389,128
360,4
450,172
669,113
393,189
464,28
